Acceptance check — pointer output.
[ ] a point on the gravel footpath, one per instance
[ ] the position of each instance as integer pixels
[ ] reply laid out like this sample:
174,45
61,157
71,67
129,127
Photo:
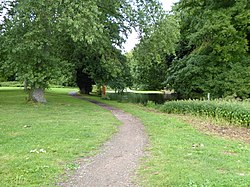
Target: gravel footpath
118,159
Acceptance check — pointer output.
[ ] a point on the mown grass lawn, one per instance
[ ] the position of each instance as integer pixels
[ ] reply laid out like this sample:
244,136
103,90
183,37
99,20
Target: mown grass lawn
38,142
184,157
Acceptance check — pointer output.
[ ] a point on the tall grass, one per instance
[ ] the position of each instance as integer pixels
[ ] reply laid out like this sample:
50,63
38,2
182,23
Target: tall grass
234,112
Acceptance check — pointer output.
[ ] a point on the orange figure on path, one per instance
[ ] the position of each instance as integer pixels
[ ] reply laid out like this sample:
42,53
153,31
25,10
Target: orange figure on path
104,90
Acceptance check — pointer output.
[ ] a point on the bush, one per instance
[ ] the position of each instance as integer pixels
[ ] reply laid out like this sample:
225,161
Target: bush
232,111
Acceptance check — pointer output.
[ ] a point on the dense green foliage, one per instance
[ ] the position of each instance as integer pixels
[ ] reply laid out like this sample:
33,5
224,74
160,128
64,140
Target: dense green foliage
39,142
213,54
47,40
148,64
233,112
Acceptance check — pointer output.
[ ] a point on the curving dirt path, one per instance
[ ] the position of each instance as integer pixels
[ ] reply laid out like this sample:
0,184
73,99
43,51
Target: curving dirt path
118,159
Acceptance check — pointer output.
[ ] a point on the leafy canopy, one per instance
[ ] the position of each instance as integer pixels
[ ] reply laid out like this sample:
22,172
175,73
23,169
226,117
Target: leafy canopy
149,64
40,37
213,53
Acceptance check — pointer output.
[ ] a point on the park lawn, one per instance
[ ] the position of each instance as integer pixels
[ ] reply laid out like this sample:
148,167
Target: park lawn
182,156
39,142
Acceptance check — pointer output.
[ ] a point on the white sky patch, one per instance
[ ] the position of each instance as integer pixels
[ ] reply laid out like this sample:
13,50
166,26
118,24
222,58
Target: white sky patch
167,4
133,37
2,12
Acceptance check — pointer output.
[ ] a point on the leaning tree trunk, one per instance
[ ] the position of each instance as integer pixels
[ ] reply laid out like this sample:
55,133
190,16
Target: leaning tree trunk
37,95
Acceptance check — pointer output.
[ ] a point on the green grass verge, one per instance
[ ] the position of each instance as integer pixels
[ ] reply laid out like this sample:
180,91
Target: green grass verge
234,112
38,142
181,156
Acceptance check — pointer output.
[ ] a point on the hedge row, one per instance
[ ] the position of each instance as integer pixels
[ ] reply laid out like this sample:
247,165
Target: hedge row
233,112
11,84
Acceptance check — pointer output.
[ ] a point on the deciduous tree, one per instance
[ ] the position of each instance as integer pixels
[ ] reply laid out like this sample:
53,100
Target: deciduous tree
150,64
213,53
36,34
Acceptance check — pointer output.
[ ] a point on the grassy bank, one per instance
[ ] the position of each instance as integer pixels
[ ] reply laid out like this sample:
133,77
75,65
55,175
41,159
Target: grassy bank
182,156
39,142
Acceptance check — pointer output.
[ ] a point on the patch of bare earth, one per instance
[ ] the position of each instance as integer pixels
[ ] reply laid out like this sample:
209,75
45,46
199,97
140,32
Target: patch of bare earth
211,127
118,159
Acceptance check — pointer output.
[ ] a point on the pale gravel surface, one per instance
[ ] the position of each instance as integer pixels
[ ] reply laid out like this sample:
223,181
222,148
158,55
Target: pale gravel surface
116,164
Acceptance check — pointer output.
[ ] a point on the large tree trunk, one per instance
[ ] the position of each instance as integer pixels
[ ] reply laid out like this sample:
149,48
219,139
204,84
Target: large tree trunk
85,88
37,95
84,82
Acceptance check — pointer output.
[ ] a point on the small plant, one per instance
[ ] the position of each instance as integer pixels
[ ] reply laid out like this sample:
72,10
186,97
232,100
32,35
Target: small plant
72,166
151,104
